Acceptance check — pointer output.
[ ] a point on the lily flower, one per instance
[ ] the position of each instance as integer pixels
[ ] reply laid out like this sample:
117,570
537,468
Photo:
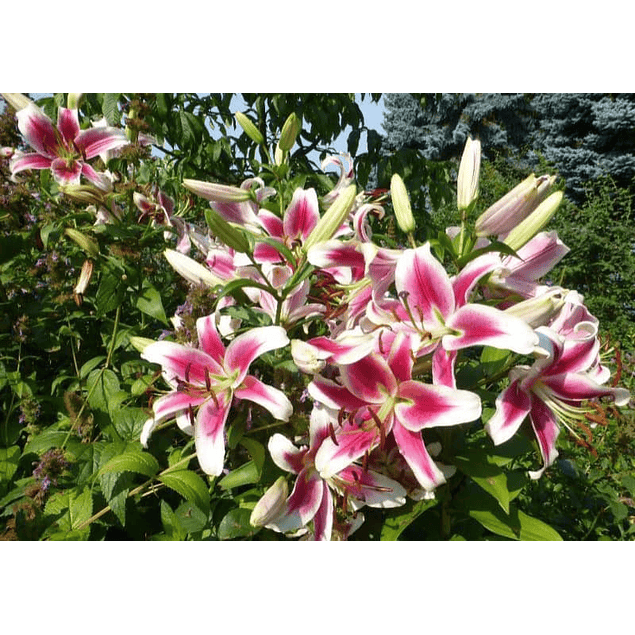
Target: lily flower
64,149
551,392
376,397
312,495
208,379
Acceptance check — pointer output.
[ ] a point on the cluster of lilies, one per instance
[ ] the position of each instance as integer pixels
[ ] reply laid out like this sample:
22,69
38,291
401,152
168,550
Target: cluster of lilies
376,334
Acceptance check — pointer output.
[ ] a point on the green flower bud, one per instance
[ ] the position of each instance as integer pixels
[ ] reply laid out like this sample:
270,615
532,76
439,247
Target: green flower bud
467,182
401,204
140,343
534,223
17,100
290,132
73,99
230,235
217,192
249,127
270,506
537,311
332,219
84,194
90,246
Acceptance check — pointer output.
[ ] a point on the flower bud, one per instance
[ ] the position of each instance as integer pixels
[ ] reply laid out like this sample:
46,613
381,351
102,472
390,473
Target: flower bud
308,358
290,132
249,127
332,219
84,194
527,229
537,311
271,505
90,246
401,204
140,343
73,99
514,207
217,192
469,169
82,283
233,237
17,101
191,270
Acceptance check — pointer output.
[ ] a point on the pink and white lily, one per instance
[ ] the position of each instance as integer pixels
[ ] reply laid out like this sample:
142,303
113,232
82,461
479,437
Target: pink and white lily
377,396
312,498
66,148
550,392
208,379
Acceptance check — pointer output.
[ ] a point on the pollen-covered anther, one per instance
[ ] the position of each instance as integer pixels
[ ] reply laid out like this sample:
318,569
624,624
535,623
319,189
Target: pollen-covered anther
332,434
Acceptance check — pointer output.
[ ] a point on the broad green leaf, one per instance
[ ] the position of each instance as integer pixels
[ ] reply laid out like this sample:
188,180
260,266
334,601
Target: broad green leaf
249,472
493,360
103,390
111,290
149,302
45,441
91,364
75,508
129,422
486,475
9,458
189,485
132,461
235,524
398,521
516,525
171,525
110,108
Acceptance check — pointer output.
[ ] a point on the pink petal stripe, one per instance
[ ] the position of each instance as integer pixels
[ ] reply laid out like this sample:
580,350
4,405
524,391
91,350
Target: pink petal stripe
344,352
369,379
39,131
372,488
579,387
66,172
333,395
323,519
353,443
182,363
464,283
487,326
97,178
443,367
243,350
208,338
414,451
303,503
302,214
427,285
512,406
400,357
68,124
94,141
428,406
577,356
30,161
538,256
270,398
334,253
271,223
174,402
209,434
546,429
285,455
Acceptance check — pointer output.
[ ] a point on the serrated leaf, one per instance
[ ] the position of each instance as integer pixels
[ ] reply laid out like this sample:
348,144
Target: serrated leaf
91,364
396,522
75,508
235,524
110,108
133,461
129,422
103,390
171,524
189,485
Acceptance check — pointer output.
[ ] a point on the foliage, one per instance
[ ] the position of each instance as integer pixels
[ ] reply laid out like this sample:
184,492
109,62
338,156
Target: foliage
95,286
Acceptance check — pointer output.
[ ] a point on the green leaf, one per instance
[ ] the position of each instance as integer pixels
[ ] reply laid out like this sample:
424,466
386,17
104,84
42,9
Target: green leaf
493,360
129,422
171,525
249,472
91,364
103,390
132,461
74,509
149,302
397,522
111,290
9,458
516,525
189,485
235,524
486,475
110,108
